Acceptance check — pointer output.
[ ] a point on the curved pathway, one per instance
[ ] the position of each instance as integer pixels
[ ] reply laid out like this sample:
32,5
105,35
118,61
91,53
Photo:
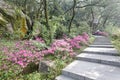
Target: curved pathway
100,61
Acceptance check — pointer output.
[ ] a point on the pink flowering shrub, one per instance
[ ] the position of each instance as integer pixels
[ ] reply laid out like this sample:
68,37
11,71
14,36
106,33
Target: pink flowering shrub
26,52
63,46
101,33
85,36
67,44
39,39
24,57
76,41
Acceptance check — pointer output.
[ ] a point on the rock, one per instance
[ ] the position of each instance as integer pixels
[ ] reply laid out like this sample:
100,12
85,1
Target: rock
13,18
44,66
9,28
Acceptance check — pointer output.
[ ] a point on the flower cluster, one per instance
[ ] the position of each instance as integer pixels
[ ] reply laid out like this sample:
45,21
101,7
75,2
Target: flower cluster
76,41
26,52
39,39
62,45
24,57
29,51
101,33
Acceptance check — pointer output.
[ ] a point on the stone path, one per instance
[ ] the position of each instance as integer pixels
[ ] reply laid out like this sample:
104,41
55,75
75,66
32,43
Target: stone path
100,61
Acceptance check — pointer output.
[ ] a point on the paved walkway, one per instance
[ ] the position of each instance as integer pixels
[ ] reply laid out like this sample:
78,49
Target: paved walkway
100,61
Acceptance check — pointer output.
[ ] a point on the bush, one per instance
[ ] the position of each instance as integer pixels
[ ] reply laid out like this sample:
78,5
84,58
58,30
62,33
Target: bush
83,27
61,30
45,34
113,31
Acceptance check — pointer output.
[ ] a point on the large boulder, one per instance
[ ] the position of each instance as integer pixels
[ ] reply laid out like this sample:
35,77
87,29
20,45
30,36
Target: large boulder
12,19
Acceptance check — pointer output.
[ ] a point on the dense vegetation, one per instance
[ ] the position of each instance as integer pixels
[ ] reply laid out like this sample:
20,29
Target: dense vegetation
50,30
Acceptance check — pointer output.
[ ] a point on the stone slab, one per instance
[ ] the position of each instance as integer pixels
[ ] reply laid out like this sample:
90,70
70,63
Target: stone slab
62,77
106,51
103,59
101,40
101,43
102,46
81,70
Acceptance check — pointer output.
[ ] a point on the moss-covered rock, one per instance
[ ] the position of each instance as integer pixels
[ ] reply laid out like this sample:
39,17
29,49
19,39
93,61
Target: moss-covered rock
13,18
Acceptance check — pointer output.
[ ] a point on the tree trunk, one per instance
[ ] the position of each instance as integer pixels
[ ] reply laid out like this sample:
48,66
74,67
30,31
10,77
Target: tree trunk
105,21
69,28
47,21
39,10
25,4
91,23
46,14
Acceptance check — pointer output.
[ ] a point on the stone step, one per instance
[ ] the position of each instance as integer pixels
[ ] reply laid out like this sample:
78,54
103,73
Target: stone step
100,40
104,51
103,59
82,70
62,77
102,46
102,43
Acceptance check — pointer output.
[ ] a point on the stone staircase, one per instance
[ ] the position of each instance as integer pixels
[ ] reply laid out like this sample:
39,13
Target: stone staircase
100,61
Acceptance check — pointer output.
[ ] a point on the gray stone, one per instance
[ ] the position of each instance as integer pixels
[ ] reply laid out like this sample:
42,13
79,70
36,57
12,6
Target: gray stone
102,46
82,70
97,43
103,59
9,28
45,65
106,51
101,40
62,77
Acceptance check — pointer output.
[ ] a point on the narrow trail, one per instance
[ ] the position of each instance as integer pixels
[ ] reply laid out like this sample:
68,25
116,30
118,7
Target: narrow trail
100,61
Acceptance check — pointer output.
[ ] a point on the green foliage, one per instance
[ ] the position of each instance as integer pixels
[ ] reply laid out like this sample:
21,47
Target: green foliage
39,46
116,43
3,22
84,27
58,29
57,10
36,28
45,34
80,29
61,30
59,65
32,76
113,31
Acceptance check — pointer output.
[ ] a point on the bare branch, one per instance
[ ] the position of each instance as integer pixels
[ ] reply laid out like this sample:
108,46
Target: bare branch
92,4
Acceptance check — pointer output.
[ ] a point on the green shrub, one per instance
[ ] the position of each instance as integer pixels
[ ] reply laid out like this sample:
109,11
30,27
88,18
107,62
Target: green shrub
45,34
61,30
